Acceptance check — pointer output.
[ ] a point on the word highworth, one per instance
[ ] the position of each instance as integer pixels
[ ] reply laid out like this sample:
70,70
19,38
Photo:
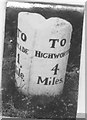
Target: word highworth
51,55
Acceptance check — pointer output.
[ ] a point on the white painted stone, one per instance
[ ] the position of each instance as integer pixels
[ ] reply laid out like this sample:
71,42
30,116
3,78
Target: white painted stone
43,74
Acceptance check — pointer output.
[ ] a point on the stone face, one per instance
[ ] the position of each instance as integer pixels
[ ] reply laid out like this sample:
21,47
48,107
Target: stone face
42,53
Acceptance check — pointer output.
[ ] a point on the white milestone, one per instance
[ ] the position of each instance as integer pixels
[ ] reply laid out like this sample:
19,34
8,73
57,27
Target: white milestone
42,54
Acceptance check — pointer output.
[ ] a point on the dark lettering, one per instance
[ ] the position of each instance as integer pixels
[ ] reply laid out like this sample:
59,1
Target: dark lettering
23,37
45,81
37,53
63,42
55,69
53,42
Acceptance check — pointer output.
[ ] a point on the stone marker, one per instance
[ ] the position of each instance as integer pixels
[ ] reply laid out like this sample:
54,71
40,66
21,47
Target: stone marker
42,54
